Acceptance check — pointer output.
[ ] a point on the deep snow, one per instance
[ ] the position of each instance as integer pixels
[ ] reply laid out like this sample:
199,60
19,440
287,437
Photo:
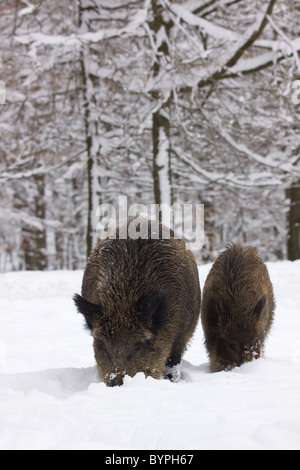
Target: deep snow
51,397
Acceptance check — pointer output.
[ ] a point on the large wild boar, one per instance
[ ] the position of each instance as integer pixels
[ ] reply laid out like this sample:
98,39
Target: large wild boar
141,301
237,308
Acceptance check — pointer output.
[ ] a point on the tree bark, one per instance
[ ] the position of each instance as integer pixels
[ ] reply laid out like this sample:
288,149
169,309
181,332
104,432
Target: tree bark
91,147
34,237
162,175
162,171
293,193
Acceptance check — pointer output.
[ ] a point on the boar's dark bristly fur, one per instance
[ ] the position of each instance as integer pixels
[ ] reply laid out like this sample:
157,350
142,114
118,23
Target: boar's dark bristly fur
141,301
237,308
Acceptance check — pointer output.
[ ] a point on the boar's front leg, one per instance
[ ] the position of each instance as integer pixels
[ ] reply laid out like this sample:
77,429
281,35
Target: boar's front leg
172,370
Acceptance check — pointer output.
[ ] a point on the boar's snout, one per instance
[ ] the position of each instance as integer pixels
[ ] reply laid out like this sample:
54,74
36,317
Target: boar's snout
230,353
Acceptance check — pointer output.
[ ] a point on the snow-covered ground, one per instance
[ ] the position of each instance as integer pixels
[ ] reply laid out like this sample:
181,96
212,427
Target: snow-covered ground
51,397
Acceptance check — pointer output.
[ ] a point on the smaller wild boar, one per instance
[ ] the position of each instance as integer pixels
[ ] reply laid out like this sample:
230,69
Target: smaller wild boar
141,301
237,308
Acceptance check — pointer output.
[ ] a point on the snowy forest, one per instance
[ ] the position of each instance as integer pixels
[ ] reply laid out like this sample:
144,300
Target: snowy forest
164,101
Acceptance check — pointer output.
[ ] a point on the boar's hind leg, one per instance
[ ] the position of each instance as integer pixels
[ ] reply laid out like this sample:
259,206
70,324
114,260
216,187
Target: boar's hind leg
172,371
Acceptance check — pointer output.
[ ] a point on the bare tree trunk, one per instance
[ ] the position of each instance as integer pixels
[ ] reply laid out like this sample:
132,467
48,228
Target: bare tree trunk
162,172
293,193
162,175
85,8
90,160
34,237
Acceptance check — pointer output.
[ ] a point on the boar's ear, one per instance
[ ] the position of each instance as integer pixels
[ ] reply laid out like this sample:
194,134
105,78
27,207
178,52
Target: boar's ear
88,310
153,311
259,307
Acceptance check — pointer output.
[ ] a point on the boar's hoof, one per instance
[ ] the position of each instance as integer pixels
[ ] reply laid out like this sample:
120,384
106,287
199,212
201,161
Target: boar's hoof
115,380
172,373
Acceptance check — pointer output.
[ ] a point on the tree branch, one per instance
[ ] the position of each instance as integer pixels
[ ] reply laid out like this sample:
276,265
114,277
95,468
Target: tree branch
11,174
256,32
210,28
254,36
223,179
210,7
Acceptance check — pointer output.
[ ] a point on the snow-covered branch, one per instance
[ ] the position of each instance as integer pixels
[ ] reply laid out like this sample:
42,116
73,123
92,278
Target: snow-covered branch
286,40
251,36
132,29
242,45
283,164
30,9
227,178
181,13
13,173
267,161
262,61
210,6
